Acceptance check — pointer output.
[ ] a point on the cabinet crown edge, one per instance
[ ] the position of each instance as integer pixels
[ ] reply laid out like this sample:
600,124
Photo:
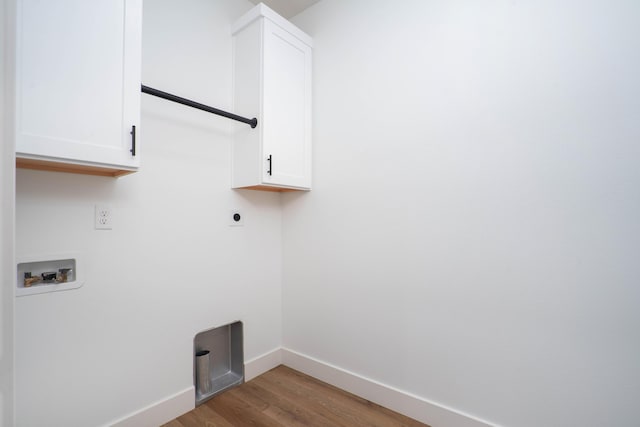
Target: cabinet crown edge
263,11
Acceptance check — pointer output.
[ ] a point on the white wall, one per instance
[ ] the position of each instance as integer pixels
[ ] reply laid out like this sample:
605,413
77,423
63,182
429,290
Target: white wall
7,203
171,266
472,237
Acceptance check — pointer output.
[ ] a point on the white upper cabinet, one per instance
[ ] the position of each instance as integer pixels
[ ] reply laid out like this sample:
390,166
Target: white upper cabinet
272,81
78,85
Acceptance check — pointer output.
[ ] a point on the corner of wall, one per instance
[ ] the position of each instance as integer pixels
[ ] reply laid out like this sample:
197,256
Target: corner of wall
7,214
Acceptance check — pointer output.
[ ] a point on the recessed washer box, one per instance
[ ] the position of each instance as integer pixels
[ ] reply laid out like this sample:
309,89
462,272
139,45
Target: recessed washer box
37,274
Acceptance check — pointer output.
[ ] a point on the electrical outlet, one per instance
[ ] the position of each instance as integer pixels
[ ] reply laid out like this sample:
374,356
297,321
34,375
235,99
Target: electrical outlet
236,218
104,217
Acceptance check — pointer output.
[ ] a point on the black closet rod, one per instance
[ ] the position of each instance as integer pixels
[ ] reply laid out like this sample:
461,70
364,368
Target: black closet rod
164,95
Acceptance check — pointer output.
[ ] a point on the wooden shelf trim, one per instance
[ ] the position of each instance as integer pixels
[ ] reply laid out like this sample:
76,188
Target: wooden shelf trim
46,165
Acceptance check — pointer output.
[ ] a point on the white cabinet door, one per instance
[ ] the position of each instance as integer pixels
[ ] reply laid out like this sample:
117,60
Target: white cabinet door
78,81
286,121
272,81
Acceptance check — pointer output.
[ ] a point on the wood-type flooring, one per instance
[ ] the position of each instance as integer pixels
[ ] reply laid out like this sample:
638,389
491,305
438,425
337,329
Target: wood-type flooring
285,397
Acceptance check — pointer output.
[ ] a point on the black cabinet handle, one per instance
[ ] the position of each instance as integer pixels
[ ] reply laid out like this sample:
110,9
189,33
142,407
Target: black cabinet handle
269,171
133,140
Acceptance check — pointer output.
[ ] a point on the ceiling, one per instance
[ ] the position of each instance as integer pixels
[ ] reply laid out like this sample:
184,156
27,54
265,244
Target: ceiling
287,8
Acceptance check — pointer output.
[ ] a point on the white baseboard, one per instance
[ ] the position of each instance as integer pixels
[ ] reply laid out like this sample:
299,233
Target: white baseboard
172,407
160,412
432,413
261,364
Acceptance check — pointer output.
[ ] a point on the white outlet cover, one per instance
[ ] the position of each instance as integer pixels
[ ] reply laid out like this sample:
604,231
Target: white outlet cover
103,217
233,222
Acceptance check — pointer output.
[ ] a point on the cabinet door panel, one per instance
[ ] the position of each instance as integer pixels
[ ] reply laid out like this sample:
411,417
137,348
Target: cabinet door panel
74,75
287,88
